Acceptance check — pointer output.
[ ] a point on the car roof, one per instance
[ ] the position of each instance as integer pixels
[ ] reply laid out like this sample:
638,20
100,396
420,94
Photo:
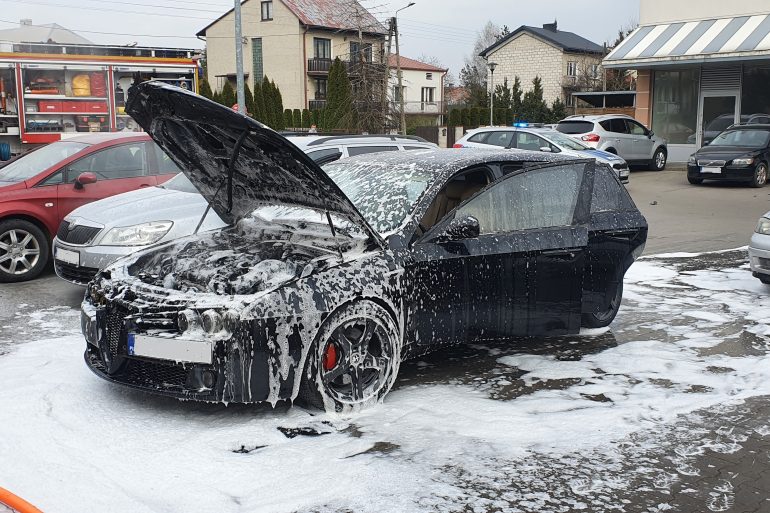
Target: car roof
748,126
320,140
102,137
539,129
444,162
595,117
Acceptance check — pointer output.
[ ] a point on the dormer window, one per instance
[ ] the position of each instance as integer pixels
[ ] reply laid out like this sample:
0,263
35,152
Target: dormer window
267,10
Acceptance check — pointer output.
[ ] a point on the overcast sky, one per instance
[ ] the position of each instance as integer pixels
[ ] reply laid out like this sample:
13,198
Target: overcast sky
445,29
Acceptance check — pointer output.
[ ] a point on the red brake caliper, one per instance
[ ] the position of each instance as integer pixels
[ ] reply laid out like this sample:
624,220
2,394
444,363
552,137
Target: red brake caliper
330,357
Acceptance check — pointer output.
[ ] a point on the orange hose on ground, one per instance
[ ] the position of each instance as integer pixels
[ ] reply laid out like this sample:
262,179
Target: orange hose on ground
16,503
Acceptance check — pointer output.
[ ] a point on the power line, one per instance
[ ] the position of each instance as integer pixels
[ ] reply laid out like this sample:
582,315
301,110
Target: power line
143,13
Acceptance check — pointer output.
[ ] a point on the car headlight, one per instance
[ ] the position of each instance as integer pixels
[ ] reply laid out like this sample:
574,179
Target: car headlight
763,226
746,161
138,234
691,160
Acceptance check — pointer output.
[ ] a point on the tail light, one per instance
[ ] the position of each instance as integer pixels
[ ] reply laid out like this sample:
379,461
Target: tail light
457,145
590,138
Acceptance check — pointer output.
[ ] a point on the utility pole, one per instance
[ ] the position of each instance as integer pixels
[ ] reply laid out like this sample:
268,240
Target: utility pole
385,61
239,87
402,120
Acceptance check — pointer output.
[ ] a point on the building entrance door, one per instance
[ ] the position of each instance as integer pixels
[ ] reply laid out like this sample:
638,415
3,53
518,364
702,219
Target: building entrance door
718,111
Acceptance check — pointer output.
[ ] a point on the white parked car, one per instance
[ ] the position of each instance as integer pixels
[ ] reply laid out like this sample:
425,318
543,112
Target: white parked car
524,137
619,134
759,250
319,146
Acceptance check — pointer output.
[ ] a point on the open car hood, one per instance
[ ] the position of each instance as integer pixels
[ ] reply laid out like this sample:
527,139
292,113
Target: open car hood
201,137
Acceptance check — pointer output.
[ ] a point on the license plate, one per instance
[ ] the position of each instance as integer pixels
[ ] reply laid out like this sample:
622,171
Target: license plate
67,256
189,351
707,169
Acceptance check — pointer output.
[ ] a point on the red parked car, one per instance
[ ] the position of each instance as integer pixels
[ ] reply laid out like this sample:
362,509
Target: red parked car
39,189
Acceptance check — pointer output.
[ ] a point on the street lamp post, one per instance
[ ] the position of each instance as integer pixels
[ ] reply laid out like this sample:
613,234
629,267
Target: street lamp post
492,66
402,120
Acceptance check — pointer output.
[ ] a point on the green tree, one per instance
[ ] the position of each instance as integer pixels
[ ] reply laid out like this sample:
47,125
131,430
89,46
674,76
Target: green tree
227,95
296,118
278,106
339,99
288,121
258,108
465,116
516,98
316,119
455,117
475,117
307,118
533,107
247,109
503,98
204,89
558,110
267,95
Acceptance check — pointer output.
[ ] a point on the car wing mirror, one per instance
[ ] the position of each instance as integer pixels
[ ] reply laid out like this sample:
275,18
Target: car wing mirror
467,227
84,179
650,134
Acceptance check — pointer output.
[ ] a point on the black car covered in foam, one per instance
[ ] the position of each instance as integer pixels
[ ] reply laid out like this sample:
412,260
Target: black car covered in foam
327,279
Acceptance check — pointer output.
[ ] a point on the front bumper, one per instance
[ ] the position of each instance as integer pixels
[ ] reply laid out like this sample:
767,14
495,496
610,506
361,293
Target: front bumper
239,372
759,254
727,173
83,262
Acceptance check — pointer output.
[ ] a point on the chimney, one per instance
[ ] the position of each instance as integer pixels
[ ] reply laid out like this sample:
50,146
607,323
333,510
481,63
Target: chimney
550,26
26,22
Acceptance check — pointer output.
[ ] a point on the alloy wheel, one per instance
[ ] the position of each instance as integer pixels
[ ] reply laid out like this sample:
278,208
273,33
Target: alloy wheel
761,174
19,251
357,360
660,159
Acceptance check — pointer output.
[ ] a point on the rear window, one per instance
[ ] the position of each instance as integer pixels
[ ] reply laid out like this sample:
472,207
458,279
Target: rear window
575,127
608,193
363,150
481,137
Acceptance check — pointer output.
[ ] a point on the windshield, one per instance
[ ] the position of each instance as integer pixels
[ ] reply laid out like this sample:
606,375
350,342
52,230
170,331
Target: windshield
39,160
564,141
179,183
384,194
743,138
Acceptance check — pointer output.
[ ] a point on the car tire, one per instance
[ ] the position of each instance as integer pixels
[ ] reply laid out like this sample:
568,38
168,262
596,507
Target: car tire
760,175
695,181
354,360
603,319
658,162
24,251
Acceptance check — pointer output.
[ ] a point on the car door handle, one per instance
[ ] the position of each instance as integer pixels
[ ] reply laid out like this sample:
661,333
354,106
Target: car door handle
559,253
144,185
621,234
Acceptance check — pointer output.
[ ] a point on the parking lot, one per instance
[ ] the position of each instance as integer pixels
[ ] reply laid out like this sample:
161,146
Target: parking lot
666,411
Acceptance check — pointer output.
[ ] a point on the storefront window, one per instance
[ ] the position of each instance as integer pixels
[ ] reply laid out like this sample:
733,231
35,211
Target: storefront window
755,98
675,105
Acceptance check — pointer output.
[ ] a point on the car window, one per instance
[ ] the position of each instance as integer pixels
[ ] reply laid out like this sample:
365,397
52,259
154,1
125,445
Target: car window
37,161
324,152
618,126
54,179
526,141
635,128
480,137
124,161
363,150
575,127
408,148
566,141
540,198
501,139
608,194
165,164
742,138
179,183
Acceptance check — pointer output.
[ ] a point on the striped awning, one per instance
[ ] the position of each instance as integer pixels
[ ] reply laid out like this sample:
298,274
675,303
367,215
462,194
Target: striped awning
722,39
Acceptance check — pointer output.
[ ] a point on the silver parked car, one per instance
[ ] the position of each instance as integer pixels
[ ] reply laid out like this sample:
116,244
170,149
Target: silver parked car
621,135
97,234
759,250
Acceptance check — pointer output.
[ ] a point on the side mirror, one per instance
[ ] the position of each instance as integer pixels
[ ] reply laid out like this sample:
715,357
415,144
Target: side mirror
463,228
84,179
546,149
650,133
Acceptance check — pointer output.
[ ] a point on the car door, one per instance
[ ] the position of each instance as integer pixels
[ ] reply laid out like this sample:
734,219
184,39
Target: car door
525,269
120,168
616,229
619,137
532,142
641,141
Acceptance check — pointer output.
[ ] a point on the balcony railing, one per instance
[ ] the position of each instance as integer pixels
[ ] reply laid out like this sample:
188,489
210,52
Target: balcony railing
317,104
413,107
318,65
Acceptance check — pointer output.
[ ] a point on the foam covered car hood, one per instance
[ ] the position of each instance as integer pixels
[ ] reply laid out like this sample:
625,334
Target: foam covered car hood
201,137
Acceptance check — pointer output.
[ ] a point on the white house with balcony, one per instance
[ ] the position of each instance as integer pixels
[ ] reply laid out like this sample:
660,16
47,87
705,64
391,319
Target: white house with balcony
422,87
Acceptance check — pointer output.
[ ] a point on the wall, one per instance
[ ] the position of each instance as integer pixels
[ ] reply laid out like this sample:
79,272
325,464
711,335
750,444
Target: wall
281,50
664,11
413,81
644,97
526,56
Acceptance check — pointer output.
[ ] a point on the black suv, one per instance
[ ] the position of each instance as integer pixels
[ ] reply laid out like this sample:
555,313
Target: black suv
740,153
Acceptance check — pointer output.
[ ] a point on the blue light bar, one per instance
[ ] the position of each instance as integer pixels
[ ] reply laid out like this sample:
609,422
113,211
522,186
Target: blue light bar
521,125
